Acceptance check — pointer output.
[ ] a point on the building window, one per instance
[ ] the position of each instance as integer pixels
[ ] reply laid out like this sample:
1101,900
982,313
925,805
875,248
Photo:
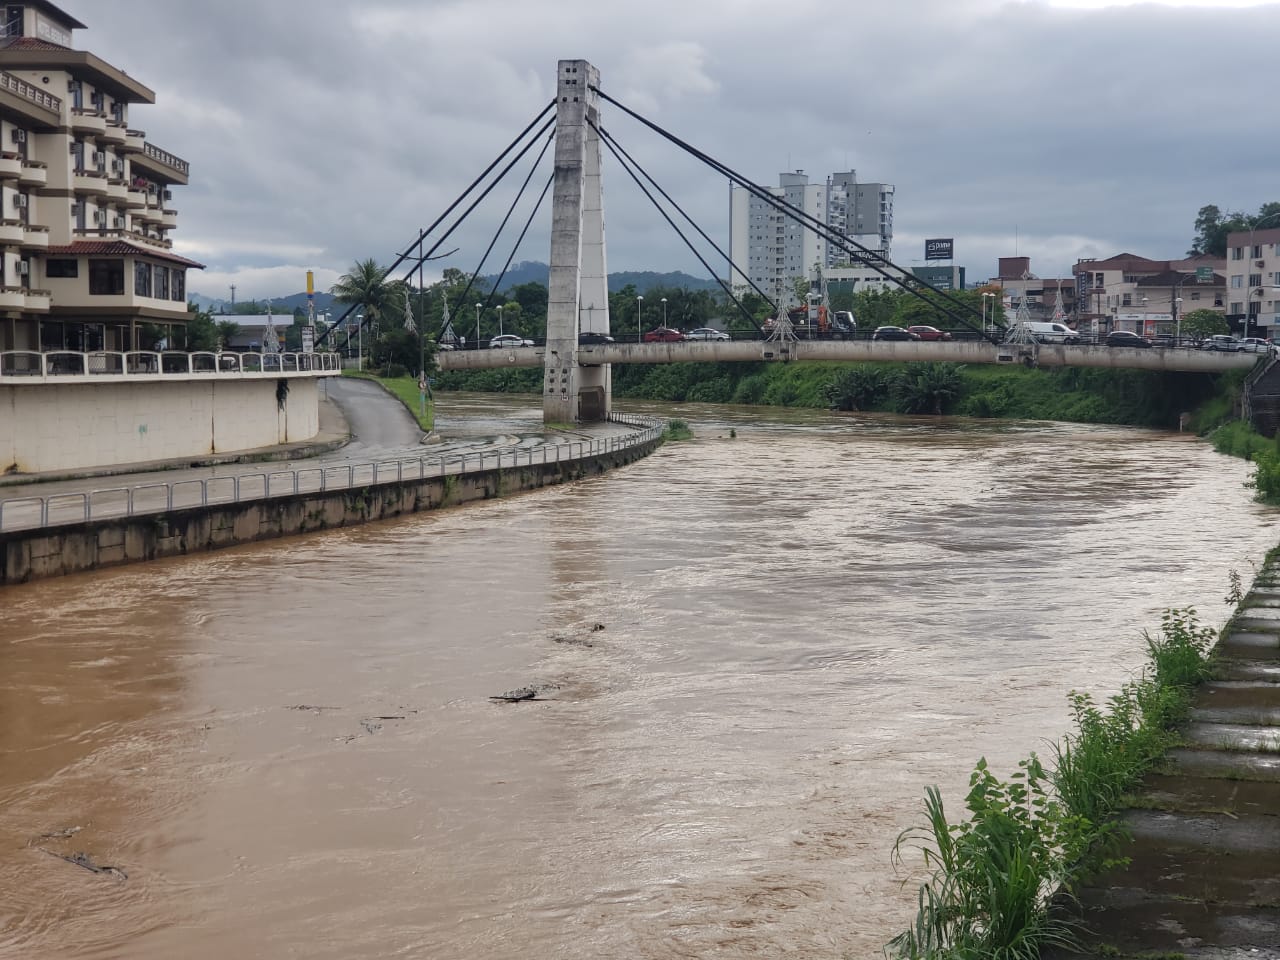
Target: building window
162,283
1128,300
61,268
106,278
178,284
1255,279
1257,250
1237,253
1237,281
141,279
1237,307
1195,294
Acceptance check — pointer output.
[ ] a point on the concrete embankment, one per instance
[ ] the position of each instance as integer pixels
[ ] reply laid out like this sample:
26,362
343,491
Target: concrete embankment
49,552
1203,873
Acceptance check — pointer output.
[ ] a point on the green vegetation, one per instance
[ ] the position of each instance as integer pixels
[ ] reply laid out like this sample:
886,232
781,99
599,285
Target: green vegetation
404,389
994,876
1213,226
677,430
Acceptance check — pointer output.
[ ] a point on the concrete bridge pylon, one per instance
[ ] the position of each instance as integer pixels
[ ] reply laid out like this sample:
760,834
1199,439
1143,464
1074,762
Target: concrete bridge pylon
578,288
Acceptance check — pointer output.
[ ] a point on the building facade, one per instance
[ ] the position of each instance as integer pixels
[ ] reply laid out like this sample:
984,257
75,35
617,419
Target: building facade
86,206
773,250
1252,271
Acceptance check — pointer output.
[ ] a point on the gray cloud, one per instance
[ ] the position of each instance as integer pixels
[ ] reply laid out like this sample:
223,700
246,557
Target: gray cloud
321,132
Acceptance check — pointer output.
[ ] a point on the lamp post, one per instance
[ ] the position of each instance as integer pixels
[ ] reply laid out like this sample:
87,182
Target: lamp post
499,307
477,326
664,311
1248,297
1177,320
639,337
360,341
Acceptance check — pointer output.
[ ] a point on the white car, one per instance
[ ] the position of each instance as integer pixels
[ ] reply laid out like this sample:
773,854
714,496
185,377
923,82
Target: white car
1255,345
509,340
706,333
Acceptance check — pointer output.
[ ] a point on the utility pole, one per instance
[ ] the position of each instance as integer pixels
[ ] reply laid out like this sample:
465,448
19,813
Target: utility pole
233,296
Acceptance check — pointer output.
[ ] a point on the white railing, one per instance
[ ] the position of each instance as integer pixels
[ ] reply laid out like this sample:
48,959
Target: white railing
60,509
30,366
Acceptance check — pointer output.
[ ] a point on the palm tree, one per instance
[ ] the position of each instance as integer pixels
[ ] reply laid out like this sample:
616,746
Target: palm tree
928,386
366,284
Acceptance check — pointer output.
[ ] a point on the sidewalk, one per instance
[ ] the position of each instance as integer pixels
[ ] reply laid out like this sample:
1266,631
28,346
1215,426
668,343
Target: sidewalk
334,433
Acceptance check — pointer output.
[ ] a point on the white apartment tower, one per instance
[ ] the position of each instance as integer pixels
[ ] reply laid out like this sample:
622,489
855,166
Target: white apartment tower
85,211
773,250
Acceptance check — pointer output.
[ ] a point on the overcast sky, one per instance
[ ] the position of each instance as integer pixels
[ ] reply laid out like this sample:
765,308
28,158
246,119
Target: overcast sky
321,132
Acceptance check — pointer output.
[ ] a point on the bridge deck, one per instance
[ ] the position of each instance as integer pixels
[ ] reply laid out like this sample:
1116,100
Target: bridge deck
1186,359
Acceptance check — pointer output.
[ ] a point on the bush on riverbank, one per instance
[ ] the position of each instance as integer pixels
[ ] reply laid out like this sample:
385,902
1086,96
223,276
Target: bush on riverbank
994,876
1133,397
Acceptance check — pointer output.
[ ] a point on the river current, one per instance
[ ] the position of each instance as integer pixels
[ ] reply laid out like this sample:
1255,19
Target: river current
754,651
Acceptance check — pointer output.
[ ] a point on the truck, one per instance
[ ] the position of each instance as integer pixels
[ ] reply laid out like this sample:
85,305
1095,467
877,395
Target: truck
812,320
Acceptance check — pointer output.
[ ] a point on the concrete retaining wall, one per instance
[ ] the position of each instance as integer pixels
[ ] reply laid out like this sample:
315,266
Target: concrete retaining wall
71,426
35,554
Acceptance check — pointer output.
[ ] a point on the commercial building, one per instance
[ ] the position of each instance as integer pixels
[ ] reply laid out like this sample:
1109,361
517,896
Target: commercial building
1129,292
774,250
86,206
1021,288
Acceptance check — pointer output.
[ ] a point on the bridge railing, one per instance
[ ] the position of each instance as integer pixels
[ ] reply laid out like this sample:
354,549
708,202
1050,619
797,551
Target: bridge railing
61,509
30,366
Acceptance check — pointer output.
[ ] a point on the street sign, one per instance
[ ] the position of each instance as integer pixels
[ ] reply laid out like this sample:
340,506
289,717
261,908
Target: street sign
1204,274
308,339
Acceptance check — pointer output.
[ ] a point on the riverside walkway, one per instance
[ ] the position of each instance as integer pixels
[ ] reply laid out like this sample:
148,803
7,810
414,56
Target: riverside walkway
1203,877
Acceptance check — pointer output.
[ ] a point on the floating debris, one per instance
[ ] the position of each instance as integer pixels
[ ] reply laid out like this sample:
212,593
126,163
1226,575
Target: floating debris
525,693
81,859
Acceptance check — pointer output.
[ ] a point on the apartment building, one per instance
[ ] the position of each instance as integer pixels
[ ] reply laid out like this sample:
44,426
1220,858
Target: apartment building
774,250
86,206
1129,292
1022,288
1253,281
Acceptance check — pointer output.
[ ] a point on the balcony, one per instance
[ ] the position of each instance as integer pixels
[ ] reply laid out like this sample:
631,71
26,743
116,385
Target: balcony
10,166
118,190
11,232
35,236
135,198
89,181
38,300
44,101
148,215
88,121
169,218
115,133
13,298
33,174
134,141
170,164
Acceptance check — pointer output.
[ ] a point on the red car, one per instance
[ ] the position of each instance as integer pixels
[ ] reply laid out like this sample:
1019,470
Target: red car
663,335
929,333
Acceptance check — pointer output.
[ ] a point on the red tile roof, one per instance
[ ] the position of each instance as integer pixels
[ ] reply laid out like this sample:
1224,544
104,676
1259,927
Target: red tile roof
29,43
118,248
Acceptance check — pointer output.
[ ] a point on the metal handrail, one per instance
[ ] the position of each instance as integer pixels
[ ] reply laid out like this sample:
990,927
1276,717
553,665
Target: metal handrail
57,365
142,499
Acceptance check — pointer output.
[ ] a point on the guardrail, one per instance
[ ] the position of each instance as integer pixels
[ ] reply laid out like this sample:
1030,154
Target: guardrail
29,366
62,509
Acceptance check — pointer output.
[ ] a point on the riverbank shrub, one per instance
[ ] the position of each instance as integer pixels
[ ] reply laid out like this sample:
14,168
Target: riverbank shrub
994,876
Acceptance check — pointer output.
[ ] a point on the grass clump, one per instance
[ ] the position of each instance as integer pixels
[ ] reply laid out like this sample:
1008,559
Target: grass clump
1030,839
677,430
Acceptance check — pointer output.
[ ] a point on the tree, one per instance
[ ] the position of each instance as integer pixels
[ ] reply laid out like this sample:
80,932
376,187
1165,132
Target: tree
928,386
367,286
1204,323
1212,226
857,388
226,330
202,333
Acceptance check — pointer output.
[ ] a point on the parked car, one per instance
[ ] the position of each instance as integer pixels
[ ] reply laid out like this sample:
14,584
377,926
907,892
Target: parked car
1124,338
1255,345
663,335
924,332
587,337
893,333
706,333
509,340
1223,342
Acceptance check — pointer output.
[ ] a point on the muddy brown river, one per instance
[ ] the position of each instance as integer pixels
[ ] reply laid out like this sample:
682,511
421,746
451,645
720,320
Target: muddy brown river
754,652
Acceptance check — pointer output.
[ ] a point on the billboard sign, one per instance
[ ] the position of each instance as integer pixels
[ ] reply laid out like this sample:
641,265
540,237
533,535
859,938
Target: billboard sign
1204,274
941,249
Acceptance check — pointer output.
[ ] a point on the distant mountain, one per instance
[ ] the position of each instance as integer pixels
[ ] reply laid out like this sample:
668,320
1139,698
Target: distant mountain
532,271
324,301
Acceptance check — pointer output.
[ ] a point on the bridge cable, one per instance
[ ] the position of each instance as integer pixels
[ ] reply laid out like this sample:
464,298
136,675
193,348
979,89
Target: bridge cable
462,298
616,147
908,282
626,165
422,233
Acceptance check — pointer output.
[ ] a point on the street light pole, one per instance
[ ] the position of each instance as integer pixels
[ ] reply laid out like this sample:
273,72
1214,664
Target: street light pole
499,307
664,311
638,321
477,326
359,341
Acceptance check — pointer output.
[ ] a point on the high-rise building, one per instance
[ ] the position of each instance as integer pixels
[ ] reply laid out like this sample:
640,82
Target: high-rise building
774,250
85,200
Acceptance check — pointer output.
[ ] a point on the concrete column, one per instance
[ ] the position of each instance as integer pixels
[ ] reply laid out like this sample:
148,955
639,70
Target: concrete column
578,286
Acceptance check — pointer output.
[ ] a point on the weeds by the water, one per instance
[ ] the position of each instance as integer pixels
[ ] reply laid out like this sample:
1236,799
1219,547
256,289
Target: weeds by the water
994,875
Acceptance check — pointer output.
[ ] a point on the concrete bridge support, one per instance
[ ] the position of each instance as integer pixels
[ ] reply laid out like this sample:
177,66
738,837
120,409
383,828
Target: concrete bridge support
578,286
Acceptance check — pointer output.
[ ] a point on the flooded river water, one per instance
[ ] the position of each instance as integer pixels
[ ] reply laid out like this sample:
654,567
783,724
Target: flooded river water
756,651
